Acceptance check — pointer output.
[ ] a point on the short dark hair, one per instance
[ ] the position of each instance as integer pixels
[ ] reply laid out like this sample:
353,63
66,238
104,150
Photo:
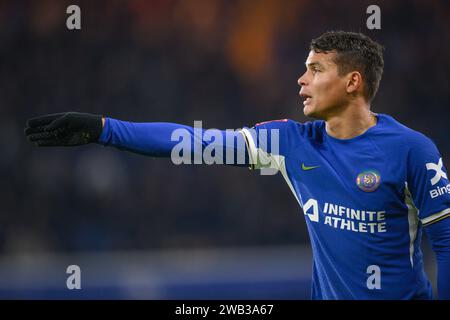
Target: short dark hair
354,51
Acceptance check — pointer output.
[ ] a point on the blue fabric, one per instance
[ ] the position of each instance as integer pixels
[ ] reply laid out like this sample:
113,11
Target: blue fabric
365,201
160,139
439,235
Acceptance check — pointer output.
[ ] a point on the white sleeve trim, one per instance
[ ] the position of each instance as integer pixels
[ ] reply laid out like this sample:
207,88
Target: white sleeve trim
436,216
260,159
413,220
252,151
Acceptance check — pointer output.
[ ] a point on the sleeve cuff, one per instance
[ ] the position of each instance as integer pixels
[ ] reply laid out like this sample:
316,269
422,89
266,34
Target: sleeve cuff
436,217
106,132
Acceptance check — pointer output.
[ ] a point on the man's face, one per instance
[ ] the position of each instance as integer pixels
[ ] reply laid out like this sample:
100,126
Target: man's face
323,89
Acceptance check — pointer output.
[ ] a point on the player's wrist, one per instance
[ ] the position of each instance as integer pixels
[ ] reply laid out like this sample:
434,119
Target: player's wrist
94,124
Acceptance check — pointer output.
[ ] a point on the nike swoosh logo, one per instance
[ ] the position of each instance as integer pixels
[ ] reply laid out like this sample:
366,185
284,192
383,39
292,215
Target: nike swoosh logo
305,168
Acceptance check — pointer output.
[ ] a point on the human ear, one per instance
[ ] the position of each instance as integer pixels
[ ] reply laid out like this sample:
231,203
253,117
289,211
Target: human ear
354,81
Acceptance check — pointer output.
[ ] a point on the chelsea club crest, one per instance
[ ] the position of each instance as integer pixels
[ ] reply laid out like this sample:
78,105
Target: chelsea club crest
368,181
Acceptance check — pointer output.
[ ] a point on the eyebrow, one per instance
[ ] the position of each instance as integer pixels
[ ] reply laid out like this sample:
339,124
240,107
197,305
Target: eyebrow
313,64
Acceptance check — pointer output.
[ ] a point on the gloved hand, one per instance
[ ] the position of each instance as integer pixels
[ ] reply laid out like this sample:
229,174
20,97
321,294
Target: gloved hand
64,129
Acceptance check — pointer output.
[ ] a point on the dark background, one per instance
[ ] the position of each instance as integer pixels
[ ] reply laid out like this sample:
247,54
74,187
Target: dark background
227,63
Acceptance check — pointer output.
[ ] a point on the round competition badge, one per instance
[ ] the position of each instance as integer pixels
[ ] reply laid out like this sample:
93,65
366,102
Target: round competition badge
368,181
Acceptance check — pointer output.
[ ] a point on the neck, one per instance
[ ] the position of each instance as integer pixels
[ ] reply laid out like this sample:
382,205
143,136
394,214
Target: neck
351,122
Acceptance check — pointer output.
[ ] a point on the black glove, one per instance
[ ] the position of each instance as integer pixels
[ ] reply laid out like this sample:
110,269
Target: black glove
64,129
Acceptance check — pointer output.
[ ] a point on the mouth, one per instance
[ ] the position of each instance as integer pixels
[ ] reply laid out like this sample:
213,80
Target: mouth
307,98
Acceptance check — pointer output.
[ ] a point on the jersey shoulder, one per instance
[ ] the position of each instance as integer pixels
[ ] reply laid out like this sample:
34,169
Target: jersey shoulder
292,129
405,136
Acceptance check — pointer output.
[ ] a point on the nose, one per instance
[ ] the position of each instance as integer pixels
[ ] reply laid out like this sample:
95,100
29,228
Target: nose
301,81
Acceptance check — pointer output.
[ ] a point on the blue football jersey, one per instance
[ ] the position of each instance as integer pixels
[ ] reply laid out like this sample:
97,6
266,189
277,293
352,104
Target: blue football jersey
365,201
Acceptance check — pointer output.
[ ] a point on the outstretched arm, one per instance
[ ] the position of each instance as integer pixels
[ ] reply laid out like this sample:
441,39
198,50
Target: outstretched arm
154,139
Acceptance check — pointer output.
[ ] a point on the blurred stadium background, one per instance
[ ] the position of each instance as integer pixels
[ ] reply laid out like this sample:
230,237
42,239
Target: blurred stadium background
144,228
